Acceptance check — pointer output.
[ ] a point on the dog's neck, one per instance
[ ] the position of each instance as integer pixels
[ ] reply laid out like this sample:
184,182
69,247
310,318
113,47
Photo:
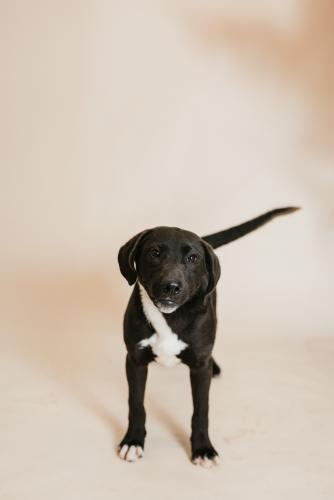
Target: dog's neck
165,344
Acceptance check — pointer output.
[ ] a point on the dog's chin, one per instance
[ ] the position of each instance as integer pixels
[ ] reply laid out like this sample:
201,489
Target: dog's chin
166,308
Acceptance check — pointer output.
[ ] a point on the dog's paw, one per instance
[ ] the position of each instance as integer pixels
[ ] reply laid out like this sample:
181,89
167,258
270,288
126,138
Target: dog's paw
131,451
207,457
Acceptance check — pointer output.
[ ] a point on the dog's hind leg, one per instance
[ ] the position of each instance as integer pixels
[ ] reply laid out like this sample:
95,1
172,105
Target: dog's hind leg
216,370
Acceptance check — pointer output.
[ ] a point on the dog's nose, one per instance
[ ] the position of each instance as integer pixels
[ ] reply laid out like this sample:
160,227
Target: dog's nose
171,288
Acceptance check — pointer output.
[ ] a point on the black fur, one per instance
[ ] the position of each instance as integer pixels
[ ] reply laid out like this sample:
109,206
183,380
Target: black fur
233,233
179,269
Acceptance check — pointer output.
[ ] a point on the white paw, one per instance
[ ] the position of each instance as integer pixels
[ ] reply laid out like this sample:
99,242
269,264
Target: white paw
207,462
130,453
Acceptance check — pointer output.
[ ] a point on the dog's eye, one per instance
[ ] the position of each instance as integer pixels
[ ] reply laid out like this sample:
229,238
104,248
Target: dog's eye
155,252
192,258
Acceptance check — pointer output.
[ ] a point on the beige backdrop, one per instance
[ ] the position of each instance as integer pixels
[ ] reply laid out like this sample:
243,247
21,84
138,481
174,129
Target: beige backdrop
117,116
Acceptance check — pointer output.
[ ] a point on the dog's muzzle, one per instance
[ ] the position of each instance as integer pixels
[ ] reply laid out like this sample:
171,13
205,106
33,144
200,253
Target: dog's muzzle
166,306
168,296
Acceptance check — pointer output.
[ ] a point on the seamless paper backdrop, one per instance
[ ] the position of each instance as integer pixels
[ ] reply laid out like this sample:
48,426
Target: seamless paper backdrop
119,116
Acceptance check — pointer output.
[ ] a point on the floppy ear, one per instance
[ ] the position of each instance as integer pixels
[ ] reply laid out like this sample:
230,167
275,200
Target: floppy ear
212,265
127,256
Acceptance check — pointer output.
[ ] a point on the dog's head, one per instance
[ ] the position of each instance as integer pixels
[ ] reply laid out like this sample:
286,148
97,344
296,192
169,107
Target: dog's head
172,265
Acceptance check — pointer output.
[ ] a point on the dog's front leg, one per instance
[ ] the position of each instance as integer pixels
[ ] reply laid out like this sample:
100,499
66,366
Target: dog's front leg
203,453
132,445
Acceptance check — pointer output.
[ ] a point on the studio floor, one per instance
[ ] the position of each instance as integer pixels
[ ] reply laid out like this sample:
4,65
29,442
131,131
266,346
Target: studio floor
63,412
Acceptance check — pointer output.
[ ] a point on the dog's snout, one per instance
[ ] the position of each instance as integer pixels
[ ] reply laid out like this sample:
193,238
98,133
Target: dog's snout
171,288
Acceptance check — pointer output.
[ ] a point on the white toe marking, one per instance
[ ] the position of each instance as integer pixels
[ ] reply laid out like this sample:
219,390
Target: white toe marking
206,463
131,454
123,451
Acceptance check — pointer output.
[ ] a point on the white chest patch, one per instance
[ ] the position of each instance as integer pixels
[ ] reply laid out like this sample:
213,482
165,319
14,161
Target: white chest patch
164,342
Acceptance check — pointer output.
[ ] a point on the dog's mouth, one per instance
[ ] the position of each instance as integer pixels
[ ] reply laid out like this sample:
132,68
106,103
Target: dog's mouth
166,306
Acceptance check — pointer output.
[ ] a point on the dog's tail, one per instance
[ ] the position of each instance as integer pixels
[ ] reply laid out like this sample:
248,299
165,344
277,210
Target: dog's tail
233,233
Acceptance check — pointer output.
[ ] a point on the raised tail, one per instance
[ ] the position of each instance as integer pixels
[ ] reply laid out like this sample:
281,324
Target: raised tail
233,233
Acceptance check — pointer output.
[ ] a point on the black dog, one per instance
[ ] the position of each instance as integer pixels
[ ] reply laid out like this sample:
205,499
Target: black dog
171,318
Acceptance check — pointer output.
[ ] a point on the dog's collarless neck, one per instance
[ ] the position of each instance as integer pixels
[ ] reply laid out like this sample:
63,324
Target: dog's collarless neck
165,344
